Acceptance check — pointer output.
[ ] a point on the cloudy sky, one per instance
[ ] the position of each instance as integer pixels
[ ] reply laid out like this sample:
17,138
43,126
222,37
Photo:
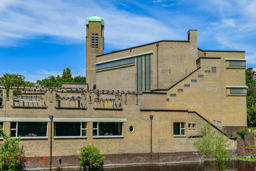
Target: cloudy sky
39,38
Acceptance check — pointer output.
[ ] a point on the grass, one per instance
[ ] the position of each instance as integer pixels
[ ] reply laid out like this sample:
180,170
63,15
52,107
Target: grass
250,146
247,159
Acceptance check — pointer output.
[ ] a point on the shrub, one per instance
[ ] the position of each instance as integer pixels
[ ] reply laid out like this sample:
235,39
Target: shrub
242,132
9,152
90,156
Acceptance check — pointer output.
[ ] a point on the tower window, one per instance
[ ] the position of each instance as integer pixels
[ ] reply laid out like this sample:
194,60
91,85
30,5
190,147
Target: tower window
94,40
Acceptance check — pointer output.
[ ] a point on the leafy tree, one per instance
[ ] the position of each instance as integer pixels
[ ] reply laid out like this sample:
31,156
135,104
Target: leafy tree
251,99
9,80
215,146
9,152
52,81
251,116
90,156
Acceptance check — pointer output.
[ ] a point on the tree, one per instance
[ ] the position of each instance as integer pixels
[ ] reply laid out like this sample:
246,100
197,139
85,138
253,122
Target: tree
215,146
251,99
10,155
9,80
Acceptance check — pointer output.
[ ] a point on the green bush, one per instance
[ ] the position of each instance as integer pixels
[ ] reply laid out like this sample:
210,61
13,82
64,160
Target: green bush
9,152
242,132
90,156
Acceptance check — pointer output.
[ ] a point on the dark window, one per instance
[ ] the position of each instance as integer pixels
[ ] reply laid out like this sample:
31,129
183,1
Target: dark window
173,95
28,129
107,129
238,91
180,90
179,128
193,81
70,128
214,70
207,71
167,100
187,85
200,76
131,129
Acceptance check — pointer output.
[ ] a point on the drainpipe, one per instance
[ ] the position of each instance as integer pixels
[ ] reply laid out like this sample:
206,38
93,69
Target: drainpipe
51,117
157,45
151,118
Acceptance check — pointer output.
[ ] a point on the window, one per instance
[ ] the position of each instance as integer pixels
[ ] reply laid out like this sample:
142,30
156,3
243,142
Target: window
213,70
92,40
237,63
187,85
70,129
179,129
115,63
180,90
173,95
29,129
108,129
167,100
207,71
147,72
193,81
94,86
200,76
238,91
79,101
194,126
189,126
131,129
139,73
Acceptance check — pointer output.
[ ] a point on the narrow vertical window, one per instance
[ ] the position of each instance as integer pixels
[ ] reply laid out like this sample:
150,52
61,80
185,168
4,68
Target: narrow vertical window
92,40
147,72
139,73
214,70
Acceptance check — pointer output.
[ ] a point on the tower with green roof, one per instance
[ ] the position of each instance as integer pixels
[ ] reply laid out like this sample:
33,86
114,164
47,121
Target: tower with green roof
94,46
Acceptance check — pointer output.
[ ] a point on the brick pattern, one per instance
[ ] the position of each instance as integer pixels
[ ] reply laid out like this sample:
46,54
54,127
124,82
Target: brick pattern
249,139
240,145
250,152
69,161
231,129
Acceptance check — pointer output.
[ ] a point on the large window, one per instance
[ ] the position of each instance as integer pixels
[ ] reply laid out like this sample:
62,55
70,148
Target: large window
237,63
147,72
238,91
29,129
108,129
179,129
70,129
139,73
115,63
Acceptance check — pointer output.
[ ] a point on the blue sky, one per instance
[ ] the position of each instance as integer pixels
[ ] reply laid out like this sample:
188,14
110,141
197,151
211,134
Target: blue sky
41,38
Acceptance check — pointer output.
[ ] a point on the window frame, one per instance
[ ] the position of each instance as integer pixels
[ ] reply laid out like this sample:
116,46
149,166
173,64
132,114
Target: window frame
180,129
81,131
39,137
113,136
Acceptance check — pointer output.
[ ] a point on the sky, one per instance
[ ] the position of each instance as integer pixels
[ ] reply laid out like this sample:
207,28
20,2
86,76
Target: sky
40,38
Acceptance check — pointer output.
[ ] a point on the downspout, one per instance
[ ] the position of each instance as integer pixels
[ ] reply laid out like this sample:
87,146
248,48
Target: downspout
157,45
151,118
51,118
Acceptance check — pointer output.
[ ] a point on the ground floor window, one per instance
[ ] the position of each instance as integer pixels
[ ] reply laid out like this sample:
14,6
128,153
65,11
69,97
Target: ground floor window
179,129
102,129
28,129
70,129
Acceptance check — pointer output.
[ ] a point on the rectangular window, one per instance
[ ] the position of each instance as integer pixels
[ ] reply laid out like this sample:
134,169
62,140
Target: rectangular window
70,129
108,129
214,70
207,71
180,90
173,95
238,91
193,81
29,129
194,126
116,63
187,85
139,73
189,126
147,72
179,128
237,63
200,76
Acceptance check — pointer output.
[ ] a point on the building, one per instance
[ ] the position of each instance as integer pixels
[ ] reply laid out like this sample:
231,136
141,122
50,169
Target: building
140,105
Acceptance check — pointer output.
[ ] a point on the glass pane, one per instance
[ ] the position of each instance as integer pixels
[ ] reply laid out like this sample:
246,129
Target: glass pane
67,129
182,125
182,131
110,129
13,133
32,129
94,132
94,124
84,124
176,127
238,91
84,133
13,124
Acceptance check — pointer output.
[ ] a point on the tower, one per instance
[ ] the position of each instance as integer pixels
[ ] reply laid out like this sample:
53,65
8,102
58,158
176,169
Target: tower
94,46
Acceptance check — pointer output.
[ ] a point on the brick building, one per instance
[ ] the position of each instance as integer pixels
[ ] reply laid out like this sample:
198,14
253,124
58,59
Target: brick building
166,90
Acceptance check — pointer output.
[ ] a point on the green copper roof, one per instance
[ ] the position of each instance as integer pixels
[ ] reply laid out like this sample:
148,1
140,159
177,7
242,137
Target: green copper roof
95,18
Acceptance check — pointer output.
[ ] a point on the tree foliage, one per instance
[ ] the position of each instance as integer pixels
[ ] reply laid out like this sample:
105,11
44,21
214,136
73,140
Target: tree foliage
90,156
66,77
251,99
9,152
215,146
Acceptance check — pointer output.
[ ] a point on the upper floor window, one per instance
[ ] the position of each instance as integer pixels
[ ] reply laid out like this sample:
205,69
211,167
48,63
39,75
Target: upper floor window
179,129
237,63
94,40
